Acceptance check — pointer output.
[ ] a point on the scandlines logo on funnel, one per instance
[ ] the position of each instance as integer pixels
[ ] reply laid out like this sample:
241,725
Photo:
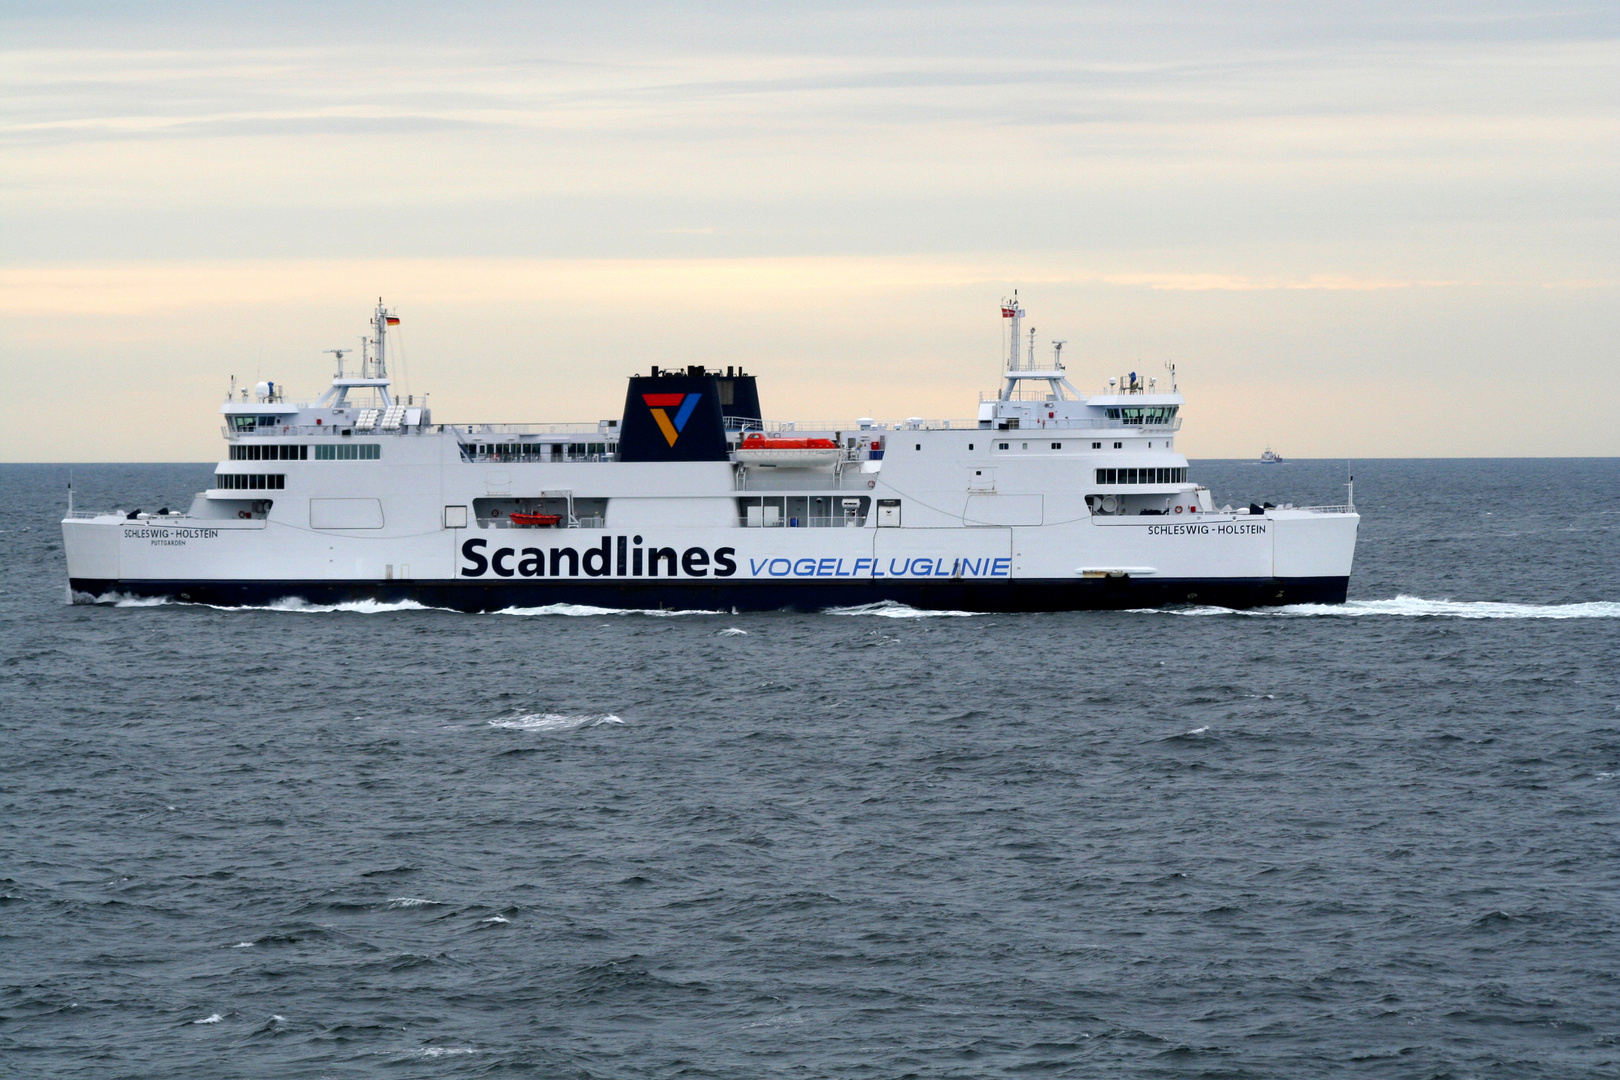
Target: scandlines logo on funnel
660,404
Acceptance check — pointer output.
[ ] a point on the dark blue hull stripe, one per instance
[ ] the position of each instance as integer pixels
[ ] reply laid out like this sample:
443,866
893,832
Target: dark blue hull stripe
1066,594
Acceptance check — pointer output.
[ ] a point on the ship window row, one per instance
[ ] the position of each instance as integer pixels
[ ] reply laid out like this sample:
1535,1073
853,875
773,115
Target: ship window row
1141,476
803,511
536,451
250,481
348,452
271,452
1144,414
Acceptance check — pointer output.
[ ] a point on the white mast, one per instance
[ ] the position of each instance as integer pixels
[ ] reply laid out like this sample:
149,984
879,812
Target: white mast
1022,368
1011,310
373,365
378,359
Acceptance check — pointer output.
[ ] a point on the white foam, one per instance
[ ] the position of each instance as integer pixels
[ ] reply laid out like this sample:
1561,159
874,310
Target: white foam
893,609
587,609
732,631
286,603
495,919
1197,730
410,901
362,607
1415,607
553,722
216,1018
444,1051
243,945
125,600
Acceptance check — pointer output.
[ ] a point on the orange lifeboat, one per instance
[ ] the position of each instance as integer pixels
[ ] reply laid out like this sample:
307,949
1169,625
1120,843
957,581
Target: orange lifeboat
533,520
762,449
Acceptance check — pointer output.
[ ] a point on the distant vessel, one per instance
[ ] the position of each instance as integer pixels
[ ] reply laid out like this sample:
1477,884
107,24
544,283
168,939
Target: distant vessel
1046,500
1271,457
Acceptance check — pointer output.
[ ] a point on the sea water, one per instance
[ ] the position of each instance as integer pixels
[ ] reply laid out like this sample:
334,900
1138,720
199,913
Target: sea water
382,840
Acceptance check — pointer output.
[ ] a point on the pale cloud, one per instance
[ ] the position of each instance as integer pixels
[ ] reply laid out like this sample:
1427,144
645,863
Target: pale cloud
1298,199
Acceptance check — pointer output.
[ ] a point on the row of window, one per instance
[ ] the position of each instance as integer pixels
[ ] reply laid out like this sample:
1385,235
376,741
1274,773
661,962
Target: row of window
1141,476
533,451
300,452
250,481
802,511
348,452
271,452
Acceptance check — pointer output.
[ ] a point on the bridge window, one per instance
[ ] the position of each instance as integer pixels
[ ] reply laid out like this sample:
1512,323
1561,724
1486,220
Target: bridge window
1149,414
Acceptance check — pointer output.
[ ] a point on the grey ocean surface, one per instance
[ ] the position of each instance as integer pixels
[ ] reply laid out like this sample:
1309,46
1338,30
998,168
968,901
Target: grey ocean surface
1374,840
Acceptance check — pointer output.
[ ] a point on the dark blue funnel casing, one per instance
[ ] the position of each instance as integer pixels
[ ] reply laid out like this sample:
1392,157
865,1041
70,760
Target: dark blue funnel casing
673,418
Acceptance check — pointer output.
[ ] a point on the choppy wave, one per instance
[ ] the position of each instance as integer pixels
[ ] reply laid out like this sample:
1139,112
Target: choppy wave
1416,607
411,901
893,609
214,1019
553,722
443,1051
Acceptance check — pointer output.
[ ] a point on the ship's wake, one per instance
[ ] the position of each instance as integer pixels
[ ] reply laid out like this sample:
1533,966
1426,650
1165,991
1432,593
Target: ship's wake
1416,607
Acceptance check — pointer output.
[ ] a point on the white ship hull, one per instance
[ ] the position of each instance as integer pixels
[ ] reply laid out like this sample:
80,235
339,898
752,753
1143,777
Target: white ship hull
1047,505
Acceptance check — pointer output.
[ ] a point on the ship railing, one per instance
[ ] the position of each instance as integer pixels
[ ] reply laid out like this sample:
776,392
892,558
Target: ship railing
847,427
329,430
536,457
593,427
1090,424
1343,508
851,427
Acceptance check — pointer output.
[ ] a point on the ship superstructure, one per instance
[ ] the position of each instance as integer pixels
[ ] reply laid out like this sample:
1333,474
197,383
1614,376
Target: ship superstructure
1047,500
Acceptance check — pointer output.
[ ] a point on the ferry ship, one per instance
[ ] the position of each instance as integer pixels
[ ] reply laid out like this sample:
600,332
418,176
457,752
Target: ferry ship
1047,500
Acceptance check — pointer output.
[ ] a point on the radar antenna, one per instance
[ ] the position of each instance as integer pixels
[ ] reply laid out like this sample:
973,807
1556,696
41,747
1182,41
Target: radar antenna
339,354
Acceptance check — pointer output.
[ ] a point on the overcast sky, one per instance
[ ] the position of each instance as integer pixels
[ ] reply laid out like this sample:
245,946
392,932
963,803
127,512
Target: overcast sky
1358,229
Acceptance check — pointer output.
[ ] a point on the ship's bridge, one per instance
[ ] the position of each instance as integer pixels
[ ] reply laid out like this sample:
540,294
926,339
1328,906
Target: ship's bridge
1039,395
